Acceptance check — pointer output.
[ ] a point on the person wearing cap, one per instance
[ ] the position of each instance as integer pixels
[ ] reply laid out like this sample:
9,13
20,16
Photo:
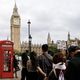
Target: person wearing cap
73,69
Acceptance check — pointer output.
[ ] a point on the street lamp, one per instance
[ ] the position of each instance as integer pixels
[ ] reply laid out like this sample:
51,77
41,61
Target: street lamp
29,36
30,39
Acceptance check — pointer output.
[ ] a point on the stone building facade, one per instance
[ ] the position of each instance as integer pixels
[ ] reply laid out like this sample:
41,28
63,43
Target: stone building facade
15,25
72,42
35,47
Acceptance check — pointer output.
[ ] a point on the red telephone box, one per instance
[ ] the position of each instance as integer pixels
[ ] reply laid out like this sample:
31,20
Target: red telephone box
6,59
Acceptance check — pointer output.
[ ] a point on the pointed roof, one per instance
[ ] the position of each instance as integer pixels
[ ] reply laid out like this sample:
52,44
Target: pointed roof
48,39
15,10
68,35
49,36
15,5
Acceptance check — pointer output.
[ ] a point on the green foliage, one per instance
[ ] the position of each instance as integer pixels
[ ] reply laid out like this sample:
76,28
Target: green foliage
53,49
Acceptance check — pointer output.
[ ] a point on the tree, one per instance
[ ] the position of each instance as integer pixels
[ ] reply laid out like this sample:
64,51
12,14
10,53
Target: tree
53,49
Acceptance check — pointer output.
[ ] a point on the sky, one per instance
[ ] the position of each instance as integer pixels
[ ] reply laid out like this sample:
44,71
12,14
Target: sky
57,17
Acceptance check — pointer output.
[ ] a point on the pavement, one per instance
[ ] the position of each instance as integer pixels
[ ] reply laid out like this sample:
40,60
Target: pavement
11,79
19,75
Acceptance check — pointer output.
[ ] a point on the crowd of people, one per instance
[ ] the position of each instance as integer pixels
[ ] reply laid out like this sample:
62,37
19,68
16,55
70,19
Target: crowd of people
51,67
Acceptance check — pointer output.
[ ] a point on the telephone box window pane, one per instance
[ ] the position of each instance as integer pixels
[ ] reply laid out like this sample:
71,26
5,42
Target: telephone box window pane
6,61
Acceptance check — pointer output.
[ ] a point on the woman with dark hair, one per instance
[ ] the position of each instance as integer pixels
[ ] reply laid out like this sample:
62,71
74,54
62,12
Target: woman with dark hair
59,67
24,62
32,66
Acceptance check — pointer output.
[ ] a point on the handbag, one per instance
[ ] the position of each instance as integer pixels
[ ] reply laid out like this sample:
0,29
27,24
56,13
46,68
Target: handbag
61,75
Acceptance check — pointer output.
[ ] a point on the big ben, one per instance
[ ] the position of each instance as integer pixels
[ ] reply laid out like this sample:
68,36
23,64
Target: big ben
15,28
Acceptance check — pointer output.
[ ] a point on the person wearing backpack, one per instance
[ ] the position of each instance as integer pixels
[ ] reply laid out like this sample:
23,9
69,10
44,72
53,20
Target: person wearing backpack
44,63
59,66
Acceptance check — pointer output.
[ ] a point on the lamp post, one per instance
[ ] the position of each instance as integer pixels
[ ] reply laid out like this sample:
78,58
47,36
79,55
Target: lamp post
29,36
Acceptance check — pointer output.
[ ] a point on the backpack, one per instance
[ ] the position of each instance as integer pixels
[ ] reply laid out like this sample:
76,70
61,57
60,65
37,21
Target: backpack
29,64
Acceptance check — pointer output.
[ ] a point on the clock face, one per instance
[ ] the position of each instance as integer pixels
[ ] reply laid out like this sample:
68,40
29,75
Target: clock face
16,21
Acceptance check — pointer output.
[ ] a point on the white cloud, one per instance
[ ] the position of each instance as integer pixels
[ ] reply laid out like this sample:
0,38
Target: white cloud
54,16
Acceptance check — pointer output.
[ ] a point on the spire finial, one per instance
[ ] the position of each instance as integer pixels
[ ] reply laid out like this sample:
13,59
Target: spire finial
15,1
49,39
68,35
15,4
48,35
15,9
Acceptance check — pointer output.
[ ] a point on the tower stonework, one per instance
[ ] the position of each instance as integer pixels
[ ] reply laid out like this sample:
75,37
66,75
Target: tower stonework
49,40
15,28
68,40
69,36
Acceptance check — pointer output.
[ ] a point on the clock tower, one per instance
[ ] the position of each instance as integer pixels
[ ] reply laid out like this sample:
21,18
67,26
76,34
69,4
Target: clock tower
15,28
